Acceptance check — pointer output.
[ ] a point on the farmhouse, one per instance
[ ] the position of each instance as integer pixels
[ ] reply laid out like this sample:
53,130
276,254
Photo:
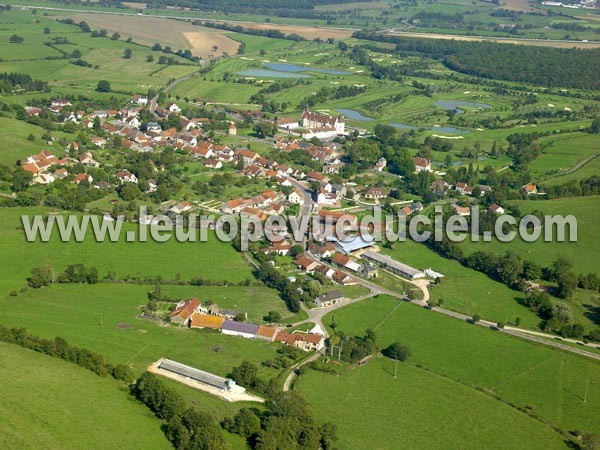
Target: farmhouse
125,176
233,328
393,266
496,209
462,210
530,189
307,264
180,208
376,193
306,342
184,311
206,321
296,197
266,333
329,299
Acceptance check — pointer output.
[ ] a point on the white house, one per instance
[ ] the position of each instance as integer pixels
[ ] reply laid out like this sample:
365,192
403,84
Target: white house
296,197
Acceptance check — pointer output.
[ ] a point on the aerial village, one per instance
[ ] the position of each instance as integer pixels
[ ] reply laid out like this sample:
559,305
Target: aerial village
144,127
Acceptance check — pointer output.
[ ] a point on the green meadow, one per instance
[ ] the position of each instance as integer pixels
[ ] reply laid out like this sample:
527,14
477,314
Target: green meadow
581,253
465,290
212,260
104,318
495,374
49,403
374,410
15,145
563,153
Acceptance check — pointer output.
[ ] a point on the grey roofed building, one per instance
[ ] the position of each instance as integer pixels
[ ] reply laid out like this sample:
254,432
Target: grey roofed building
230,313
224,384
393,265
353,243
239,327
333,295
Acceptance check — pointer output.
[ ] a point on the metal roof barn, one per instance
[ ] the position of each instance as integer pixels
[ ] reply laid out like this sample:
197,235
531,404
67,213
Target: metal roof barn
224,384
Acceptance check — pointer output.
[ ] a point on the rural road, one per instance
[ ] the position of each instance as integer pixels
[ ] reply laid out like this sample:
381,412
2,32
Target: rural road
292,374
517,332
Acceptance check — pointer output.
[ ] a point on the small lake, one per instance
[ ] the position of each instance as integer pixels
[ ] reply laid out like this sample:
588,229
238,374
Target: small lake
355,115
265,73
439,129
460,106
295,68
351,114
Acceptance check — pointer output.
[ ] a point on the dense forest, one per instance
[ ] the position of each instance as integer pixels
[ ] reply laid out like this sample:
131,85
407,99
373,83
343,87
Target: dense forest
545,66
281,8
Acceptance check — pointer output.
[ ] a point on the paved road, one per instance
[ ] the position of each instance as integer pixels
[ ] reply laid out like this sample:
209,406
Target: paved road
316,315
293,372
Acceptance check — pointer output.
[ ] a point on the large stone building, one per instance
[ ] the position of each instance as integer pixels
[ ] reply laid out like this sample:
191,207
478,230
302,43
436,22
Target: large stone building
321,125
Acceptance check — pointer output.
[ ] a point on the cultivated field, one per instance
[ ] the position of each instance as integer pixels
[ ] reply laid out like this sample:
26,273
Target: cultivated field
46,402
177,34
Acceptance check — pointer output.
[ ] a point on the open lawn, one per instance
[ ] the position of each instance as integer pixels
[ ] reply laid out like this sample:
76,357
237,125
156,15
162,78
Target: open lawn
49,403
550,383
419,409
212,260
465,290
582,253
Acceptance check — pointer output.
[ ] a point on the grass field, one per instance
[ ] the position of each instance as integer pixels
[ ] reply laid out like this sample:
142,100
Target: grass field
466,290
46,402
213,260
581,253
15,145
103,318
549,383
563,153
419,409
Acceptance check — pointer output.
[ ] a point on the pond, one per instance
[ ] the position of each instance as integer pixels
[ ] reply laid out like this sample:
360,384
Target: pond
355,115
460,106
437,128
295,68
265,73
352,114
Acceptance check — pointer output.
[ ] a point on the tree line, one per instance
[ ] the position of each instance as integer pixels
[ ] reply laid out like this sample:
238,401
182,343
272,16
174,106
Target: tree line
11,82
60,348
